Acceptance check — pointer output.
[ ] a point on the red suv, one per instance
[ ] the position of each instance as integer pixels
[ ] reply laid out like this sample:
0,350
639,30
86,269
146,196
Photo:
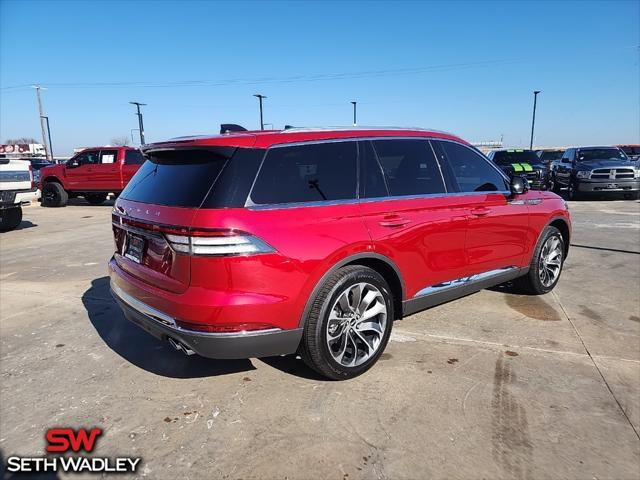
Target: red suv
255,244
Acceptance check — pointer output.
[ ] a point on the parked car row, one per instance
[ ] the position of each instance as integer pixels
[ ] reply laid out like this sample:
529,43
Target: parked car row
581,170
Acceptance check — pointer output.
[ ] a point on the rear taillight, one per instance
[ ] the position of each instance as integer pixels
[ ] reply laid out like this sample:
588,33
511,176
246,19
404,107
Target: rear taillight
33,183
217,243
201,242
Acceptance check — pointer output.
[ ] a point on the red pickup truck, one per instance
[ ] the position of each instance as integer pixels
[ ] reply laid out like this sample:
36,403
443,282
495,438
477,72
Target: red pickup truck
93,174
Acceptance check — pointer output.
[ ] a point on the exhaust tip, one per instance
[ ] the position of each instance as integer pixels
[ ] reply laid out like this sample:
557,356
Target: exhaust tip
178,345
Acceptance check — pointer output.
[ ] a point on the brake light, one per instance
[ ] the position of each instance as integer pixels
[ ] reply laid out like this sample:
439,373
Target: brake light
212,242
33,183
217,243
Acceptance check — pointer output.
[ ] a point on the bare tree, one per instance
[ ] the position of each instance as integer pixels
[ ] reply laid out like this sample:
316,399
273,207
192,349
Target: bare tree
120,141
22,140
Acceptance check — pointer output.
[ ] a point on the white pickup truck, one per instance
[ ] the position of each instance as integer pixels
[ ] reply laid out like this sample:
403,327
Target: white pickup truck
16,188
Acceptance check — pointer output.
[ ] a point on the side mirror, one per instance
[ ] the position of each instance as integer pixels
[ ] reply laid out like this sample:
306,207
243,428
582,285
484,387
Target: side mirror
565,160
73,163
519,185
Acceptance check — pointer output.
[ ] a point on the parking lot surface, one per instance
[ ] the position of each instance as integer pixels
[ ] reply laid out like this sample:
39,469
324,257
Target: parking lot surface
495,385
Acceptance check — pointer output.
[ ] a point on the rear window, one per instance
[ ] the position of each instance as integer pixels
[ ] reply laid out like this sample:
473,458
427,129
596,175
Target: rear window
133,157
177,178
307,173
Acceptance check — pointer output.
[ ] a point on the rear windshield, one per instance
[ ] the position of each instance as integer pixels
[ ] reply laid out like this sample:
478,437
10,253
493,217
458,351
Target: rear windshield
177,178
506,157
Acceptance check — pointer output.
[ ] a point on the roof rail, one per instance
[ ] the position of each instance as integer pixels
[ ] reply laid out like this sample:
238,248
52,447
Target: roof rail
345,128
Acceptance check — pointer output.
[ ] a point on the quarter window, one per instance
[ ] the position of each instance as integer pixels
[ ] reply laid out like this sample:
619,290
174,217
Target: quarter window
307,173
133,157
409,167
471,171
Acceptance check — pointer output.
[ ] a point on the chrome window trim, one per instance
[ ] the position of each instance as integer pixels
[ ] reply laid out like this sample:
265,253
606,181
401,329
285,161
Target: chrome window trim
326,203
169,322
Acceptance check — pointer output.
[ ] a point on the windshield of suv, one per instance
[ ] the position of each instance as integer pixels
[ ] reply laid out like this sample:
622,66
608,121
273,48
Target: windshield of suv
506,157
592,154
551,155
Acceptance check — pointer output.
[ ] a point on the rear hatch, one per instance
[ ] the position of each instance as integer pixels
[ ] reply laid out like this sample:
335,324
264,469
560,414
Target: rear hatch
156,210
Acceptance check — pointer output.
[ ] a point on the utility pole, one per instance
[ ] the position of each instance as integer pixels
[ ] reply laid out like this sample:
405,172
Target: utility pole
140,124
260,97
42,130
49,135
354,113
533,120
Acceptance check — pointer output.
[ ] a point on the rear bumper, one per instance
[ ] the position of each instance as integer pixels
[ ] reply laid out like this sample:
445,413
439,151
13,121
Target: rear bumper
250,344
14,198
612,186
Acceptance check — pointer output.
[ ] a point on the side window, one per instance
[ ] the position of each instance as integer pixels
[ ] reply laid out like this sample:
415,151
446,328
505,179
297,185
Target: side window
372,182
86,158
108,156
307,173
471,171
133,157
409,167
568,155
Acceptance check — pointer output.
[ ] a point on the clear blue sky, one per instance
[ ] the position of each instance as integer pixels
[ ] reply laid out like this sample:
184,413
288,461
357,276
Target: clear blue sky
468,68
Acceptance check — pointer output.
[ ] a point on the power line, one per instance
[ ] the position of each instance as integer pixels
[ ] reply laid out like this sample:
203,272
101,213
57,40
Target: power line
270,80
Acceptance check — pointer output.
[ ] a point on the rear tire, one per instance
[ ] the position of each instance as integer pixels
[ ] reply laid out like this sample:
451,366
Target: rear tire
10,218
53,195
546,264
95,198
349,323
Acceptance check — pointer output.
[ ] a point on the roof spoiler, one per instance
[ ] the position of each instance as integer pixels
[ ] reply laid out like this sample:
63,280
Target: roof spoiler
231,127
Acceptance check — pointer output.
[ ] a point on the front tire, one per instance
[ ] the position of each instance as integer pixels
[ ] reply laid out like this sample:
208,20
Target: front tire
10,218
53,195
95,198
546,264
349,323
573,192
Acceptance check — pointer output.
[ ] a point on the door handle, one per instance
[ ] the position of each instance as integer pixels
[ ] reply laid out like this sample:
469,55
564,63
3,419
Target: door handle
480,212
394,222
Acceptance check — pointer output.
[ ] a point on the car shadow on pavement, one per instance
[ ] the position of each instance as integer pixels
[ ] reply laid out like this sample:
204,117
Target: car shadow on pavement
24,225
143,350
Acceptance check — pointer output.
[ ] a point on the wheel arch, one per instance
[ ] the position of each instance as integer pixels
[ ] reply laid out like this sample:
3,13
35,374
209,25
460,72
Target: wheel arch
375,261
52,179
561,224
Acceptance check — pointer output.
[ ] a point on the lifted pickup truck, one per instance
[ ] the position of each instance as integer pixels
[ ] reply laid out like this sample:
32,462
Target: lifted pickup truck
93,174
16,187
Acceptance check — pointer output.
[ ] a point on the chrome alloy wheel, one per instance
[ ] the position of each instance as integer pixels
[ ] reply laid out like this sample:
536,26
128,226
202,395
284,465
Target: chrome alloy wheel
356,325
550,261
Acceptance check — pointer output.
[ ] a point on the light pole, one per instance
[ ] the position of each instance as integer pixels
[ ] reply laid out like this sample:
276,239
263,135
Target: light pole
533,120
42,116
260,97
140,124
354,112
48,134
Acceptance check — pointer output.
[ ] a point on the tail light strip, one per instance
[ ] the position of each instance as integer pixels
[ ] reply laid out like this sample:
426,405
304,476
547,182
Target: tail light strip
199,242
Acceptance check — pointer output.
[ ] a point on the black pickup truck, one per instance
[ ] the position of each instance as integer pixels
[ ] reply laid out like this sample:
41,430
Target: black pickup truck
525,163
596,170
